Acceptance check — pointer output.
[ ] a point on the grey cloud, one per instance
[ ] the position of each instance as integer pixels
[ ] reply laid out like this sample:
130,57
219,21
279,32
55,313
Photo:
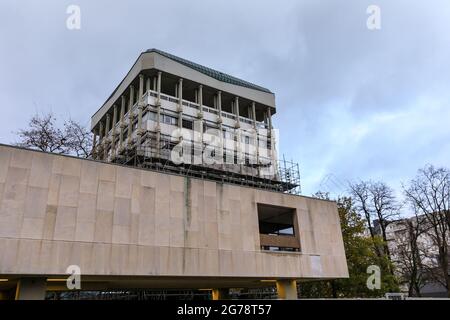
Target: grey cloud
330,74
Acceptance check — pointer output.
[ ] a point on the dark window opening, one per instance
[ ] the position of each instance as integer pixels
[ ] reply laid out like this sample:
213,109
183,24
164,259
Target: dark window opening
278,228
188,124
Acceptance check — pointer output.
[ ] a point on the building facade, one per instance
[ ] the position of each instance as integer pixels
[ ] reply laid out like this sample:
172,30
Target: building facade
135,216
413,249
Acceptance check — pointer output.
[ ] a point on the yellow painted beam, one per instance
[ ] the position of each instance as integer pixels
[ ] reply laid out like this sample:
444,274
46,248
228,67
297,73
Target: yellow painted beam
287,289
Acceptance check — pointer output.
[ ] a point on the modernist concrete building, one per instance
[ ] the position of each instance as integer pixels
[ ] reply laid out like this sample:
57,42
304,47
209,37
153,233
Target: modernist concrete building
144,214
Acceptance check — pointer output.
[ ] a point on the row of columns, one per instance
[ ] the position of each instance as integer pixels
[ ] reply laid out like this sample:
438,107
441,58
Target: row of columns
35,288
101,150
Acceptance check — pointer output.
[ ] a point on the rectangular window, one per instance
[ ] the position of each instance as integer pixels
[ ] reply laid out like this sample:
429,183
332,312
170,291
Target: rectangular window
169,120
188,124
278,228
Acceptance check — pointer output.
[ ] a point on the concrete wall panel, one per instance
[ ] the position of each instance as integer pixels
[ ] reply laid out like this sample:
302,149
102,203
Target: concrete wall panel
56,211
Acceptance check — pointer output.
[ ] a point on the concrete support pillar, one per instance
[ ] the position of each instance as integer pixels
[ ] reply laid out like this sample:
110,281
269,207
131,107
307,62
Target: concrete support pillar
106,139
237,131
147,84
130,116
100,141
122,122
140,130
158,115
287,289
94,145
219,121
141,87
180,103
220,294
219,105
200,112
31,289
200,99
180,92
236,111
269,119
269,131
254,114
154,85
114,132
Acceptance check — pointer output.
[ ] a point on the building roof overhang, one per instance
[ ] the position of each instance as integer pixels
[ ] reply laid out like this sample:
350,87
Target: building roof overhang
165,62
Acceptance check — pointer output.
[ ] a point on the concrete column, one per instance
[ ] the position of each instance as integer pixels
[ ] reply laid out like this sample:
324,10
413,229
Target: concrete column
220,294
140,131
154,85
122,122
180,103
236,111
106,140
31,289
100,140
130,115
287,289
147,84
256,136
114,122
141,87
200,99
180,93
158,87
269,119
94,145
200,112
158,115
219,121
254,114
219,106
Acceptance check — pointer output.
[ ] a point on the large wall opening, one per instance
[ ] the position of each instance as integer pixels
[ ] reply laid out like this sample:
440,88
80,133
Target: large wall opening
278,228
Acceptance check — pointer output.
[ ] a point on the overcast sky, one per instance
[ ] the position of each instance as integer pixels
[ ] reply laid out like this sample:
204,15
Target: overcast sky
352,103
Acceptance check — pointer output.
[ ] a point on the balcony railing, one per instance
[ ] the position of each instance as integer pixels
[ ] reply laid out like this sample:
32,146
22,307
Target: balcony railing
196,106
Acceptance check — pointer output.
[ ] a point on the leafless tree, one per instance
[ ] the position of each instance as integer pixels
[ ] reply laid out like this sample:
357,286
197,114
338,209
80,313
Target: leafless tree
410,253
360,193
78,139
429,192
377,203
43,134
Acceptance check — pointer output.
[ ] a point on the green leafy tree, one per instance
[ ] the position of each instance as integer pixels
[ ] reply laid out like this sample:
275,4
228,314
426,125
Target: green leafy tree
360,253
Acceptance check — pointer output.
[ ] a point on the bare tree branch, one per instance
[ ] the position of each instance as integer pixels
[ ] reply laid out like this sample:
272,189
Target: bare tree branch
429,193
43,134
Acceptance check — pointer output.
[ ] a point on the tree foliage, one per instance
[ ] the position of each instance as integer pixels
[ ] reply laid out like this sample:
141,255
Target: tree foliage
376,202
360,254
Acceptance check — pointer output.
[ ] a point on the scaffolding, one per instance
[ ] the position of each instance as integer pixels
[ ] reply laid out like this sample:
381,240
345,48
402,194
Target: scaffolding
285,178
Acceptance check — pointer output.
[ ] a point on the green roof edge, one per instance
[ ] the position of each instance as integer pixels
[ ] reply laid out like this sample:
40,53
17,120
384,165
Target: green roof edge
210,72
